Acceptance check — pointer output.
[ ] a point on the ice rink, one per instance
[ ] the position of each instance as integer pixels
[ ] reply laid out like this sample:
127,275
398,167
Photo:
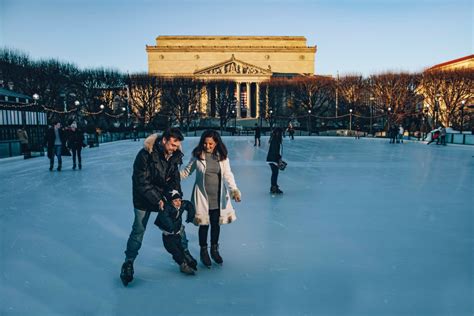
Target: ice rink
364,227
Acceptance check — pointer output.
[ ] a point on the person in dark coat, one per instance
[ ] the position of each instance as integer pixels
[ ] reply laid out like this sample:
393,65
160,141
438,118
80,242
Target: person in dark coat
258,134
169,220
155,172
75,143
273,158
291,131
55,141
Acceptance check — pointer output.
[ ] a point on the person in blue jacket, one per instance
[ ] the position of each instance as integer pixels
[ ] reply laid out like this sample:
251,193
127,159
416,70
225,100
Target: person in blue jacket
169,220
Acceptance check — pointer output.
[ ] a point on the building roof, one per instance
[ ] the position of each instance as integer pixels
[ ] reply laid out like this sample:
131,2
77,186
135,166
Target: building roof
454,61
11,93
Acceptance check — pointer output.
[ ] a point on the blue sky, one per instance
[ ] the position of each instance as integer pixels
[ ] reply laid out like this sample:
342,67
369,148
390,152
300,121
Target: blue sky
366,37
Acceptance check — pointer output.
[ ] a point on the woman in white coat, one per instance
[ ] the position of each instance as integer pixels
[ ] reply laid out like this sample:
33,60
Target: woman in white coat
214,186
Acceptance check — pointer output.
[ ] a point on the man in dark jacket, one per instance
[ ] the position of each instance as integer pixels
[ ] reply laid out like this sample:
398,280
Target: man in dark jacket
257,135
155,172
55,140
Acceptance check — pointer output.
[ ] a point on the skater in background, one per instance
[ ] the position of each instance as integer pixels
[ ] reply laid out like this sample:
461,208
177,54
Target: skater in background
257,135
393,133
169,220
155,172
401,130
214,186
75,143
291,131
442,135
434,136
55,140
273,158
24,142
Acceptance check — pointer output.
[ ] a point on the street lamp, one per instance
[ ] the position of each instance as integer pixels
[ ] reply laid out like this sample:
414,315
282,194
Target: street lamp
371,112
271,118
195,121
36,98
309,122
462,115
235,121
350,121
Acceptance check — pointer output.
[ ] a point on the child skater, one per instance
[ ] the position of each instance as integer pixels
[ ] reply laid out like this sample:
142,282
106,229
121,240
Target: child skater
169,220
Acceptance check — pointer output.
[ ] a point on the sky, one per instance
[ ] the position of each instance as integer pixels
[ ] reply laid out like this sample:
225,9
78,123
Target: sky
352,37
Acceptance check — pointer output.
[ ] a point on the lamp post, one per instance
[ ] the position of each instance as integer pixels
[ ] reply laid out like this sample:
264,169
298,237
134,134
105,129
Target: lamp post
371,112
436,109
350,121
309,122
271,118
235,121
462,115
36,98
195,121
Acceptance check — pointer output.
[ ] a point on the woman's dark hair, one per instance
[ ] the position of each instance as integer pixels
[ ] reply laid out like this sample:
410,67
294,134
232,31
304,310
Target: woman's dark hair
220,150
277,135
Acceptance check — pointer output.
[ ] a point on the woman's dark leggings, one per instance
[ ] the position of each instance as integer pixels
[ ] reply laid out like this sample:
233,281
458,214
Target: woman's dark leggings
275,171
215,229
76,151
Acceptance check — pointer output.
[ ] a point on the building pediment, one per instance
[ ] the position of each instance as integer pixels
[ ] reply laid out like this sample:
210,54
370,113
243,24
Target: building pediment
233,67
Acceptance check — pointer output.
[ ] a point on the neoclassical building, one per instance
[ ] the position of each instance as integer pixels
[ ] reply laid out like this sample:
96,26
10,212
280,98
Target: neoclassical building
245,60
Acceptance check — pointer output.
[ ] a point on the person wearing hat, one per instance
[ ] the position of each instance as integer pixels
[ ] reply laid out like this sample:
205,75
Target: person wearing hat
75,143
169,220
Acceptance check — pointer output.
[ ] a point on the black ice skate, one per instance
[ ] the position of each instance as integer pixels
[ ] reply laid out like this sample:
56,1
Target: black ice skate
184,268
205,257
275,190
215,255
190,260
127,272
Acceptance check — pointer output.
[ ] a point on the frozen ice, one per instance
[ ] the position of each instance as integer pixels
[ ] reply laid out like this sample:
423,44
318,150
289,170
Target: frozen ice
364,227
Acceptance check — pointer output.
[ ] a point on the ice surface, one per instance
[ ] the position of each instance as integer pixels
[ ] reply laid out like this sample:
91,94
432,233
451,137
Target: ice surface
364,228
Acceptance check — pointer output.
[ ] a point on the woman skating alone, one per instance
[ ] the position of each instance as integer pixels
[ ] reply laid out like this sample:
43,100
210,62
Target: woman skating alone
214,186
274,157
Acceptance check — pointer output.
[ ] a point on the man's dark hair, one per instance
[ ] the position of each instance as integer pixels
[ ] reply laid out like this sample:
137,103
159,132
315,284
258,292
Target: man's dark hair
173,132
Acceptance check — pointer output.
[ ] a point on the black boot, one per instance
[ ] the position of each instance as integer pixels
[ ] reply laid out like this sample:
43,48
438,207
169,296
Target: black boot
59,167
275,190
127,272
183,267
215,254
74,167
190,260
205,257
80,166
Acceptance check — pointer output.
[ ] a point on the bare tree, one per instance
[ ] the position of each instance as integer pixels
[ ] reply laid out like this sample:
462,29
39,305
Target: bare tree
352,90
180,98
145,93
395,91
444,92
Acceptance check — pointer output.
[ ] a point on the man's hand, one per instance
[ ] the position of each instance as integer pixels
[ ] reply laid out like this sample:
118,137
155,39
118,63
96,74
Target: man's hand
161,205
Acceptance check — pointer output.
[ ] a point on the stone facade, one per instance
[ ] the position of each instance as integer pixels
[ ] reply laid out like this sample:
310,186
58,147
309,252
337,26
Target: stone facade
246,60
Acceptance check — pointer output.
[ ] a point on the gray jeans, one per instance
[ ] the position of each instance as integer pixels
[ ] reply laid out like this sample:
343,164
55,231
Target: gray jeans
134,242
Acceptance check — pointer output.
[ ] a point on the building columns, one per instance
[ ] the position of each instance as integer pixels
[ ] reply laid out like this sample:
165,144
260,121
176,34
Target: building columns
257,102
249,100
237,106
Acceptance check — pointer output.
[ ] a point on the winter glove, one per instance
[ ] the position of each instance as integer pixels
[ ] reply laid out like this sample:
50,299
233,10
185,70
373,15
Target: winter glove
235,194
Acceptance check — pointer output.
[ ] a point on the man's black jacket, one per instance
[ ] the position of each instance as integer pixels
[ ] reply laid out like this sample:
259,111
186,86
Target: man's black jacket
154,176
